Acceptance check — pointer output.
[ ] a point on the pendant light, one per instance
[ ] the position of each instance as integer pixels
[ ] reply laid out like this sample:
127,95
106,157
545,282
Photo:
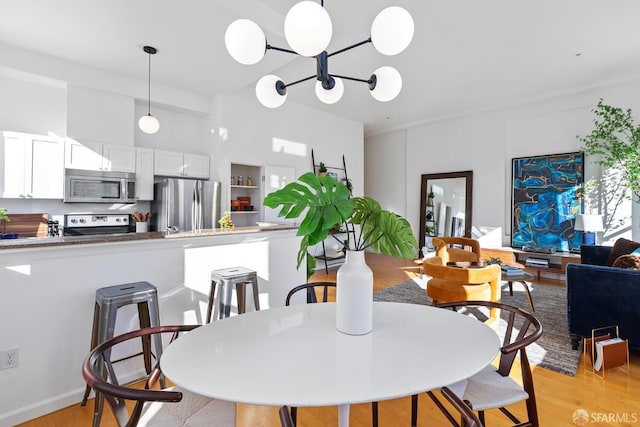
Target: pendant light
149,124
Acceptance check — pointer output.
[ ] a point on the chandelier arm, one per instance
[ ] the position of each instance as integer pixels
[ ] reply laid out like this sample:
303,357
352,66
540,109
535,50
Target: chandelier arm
281,49
351,78
350,47
300,81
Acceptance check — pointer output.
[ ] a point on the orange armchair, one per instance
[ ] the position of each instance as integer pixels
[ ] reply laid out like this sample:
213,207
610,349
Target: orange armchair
470,251
453,283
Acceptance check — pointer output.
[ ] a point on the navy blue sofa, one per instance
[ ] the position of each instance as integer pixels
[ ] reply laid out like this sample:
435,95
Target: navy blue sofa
599,296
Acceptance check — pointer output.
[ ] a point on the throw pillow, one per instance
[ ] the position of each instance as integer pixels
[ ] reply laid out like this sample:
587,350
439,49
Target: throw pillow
621,247
630,262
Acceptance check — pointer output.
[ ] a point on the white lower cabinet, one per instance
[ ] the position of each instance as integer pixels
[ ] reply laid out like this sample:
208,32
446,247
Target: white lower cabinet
33,166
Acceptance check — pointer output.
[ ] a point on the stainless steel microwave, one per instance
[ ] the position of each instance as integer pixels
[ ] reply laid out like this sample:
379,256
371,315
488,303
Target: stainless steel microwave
87,186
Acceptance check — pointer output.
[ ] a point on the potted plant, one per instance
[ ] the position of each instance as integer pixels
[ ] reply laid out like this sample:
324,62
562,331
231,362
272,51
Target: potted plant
3,217
322,169
326,204
615,144
430,197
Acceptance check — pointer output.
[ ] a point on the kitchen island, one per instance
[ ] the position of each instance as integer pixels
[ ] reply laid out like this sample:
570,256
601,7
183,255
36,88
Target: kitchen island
48,293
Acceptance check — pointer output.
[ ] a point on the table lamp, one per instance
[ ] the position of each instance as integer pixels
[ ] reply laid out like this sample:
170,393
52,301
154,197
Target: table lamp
589,225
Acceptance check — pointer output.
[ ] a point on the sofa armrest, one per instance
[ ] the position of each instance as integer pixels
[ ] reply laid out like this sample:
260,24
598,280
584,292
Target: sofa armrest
599,296
594,254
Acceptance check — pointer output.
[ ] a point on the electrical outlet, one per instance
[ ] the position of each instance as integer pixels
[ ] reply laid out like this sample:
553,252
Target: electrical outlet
9,358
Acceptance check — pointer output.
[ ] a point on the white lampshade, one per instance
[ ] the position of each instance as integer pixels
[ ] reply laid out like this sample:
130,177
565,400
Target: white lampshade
245,41
388,85
330,96
392,30
308,28
149,124
267,94
588,223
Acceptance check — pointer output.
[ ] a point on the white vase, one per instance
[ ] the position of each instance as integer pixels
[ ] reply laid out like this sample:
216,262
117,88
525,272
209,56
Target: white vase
354,295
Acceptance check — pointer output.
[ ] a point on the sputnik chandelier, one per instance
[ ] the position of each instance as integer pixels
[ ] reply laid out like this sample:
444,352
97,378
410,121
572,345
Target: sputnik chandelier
308,29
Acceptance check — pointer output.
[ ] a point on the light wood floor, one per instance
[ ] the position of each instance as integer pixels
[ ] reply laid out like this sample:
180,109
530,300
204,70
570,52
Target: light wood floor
614,401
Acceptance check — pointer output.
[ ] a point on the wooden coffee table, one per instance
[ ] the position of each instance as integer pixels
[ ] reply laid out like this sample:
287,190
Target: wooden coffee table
521,278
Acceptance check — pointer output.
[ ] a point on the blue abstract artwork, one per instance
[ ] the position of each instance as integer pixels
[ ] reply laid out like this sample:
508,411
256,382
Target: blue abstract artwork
546,200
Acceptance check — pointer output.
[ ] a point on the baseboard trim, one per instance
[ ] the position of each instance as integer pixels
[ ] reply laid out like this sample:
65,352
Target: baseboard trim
35,410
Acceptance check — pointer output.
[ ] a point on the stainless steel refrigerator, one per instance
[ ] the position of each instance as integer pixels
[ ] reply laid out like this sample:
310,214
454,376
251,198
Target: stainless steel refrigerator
185,204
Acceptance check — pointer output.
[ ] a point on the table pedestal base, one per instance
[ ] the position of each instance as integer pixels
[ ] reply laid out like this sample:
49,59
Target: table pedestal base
343,415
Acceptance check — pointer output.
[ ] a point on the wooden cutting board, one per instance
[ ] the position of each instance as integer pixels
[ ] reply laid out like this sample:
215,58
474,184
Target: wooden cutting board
27,225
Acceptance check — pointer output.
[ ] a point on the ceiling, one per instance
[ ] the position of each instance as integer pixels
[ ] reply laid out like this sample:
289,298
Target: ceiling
466,55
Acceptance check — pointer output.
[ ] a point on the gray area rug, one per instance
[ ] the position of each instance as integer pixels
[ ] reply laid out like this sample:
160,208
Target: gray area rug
552,351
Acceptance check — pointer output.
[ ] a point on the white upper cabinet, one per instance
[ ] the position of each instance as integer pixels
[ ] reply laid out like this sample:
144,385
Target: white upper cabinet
196,166
33,166
97,156
184,165
144,174
121,158
168,163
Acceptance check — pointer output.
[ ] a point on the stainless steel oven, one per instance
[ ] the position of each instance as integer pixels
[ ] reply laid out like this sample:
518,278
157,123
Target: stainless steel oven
90,224
86,186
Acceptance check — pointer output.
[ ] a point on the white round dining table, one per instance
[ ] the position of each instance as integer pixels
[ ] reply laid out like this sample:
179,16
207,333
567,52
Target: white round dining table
295,356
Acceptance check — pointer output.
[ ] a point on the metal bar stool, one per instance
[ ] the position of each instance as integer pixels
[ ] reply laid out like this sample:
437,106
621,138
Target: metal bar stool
228,278
108,301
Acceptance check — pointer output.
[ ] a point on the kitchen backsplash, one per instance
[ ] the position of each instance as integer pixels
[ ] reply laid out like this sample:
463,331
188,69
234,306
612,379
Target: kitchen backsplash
56,209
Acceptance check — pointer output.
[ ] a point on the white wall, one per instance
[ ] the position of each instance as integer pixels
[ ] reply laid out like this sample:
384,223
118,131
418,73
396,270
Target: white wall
384,172
96,115
32,107
248,133
179,130
487,142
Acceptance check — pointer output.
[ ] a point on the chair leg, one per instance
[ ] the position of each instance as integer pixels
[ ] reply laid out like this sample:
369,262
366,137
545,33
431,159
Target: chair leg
414,410
374,414
240,296
145,322
294,415
444,410
212,294
94,343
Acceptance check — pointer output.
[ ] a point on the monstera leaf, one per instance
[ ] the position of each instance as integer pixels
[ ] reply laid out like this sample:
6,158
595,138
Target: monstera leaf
384,231
325,200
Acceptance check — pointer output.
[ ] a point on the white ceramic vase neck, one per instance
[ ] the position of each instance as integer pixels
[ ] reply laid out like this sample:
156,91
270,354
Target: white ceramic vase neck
354,295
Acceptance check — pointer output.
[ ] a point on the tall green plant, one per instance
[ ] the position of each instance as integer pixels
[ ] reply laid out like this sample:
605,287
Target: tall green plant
326,205
615,143
3,215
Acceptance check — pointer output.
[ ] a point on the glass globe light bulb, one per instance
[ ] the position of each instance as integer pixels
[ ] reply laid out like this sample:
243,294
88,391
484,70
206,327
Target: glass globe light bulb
149,124
392,30
308,28
245,41
388,85
330,96
267,94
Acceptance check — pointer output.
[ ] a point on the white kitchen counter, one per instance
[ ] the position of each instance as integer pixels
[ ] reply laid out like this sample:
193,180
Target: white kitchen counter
33,242
48,296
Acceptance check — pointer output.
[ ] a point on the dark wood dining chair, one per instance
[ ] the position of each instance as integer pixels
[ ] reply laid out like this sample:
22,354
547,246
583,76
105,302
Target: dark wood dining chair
153,405
493,388
285,417
311,290
468,418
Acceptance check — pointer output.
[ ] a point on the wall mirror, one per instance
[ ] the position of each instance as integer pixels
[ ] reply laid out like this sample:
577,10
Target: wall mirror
445,206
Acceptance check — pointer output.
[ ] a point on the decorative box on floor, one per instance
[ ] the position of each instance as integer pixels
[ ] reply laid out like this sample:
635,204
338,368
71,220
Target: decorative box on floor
605,350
